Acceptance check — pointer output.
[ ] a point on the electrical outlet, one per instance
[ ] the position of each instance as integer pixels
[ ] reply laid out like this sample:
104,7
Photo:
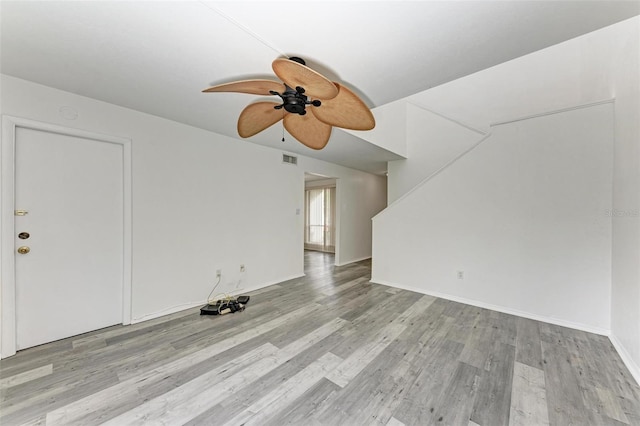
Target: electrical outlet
461,275
218,273
242,268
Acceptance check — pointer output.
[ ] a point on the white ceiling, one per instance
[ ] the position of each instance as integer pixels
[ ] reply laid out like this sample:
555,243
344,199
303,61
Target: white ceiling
156,57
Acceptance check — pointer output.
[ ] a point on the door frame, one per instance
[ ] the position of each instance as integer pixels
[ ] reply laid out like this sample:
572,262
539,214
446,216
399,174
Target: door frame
7,221
337,219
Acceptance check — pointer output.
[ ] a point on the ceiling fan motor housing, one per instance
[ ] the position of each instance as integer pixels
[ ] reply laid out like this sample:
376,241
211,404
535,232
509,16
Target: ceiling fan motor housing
295,103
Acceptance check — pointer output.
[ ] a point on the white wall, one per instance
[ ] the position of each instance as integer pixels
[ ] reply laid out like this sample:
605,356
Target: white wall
598,66
203,201
575,72
625,313
523,215
389,132
432,142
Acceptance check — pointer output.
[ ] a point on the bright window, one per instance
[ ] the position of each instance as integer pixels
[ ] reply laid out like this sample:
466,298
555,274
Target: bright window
320,219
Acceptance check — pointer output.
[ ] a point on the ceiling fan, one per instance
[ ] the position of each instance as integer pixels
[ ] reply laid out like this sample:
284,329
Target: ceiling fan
301,90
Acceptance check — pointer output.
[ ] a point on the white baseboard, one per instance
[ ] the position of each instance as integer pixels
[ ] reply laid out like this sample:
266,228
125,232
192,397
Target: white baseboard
634,369
503,309
168,311
353,261
184,306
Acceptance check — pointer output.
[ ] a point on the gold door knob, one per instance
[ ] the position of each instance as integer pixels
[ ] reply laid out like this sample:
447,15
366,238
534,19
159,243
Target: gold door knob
24,250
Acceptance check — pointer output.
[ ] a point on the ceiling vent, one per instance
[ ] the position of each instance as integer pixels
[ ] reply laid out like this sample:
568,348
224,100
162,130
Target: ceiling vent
289,159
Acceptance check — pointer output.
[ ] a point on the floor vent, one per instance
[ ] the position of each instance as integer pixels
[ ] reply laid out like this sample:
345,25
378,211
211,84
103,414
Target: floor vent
289,159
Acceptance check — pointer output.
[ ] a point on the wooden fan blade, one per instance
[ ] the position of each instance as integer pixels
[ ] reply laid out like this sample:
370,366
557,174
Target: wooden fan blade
295,74
345,110
308,130
257,117
253,87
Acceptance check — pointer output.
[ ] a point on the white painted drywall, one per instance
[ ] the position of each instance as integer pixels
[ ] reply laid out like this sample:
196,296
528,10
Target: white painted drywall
432,142
576,72
598,66
625,312
523,215
203,201
390,130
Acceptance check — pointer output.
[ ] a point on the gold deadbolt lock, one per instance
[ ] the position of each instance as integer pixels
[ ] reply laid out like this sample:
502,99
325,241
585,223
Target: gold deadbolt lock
24,250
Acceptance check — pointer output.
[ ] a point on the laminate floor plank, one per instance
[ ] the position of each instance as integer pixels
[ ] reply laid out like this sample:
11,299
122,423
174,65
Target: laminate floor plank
26,376
338,289
128,386
378,307
504,326
479,340
631,409
394,422
611,406
528,397
564,399
188,401
49,399
33,357
455,404
301,411
397,358
358,360
232,403
528,349
408,355
493,399
434,374
210,344
269,406
616,376
464,319
372,396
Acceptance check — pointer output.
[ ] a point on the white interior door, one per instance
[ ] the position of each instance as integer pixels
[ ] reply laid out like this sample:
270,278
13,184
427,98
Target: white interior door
71,280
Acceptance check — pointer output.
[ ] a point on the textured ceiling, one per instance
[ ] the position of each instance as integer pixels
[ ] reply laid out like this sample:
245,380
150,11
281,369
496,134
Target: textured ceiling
156,57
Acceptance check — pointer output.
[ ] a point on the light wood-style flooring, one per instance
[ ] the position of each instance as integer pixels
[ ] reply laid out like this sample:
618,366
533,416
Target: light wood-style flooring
326,349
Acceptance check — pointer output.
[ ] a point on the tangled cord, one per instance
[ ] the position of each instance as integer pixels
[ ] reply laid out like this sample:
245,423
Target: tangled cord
223,301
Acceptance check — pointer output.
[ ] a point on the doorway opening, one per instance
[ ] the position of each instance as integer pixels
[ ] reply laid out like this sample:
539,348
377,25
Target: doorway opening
320,220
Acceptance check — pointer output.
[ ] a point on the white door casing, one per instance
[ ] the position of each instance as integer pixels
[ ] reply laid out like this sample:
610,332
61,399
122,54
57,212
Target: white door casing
75,238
